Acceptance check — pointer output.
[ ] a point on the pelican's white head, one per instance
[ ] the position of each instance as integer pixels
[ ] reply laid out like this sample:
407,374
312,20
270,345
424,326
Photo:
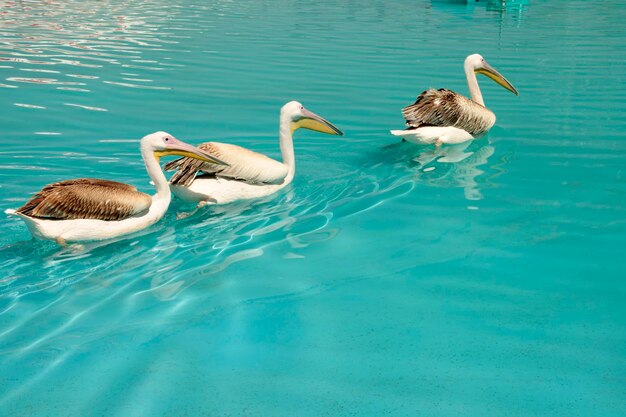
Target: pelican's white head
477,64
474,61
299,117
163,144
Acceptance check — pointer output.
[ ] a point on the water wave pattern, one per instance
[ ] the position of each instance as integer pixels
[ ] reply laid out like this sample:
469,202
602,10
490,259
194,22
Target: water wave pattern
389,279
77,46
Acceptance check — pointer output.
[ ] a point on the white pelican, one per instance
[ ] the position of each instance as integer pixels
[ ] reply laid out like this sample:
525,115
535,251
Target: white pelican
248,174
443,116
92,209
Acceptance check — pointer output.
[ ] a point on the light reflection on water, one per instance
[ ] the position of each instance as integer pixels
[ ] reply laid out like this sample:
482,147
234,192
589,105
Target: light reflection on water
88,36
478,279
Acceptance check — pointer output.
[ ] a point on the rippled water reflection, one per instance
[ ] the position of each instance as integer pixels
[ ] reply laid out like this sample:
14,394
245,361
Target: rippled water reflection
390,279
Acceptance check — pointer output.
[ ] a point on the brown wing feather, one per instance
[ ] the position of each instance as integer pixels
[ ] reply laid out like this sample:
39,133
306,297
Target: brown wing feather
446,108
187,168
87,198
243,164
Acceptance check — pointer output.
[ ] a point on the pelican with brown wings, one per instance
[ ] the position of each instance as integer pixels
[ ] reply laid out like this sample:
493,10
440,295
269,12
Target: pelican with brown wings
87,209
445,117
249,174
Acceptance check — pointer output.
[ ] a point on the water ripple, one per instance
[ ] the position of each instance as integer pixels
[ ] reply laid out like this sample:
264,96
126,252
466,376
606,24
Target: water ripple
384,267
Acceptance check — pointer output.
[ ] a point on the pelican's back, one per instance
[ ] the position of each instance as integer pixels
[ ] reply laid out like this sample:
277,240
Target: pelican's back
443,108
243,164
86,198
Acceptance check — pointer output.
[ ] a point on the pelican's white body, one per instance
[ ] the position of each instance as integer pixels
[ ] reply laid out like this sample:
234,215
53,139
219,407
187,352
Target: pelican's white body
220,190
434,134
216,190
449,134
78,230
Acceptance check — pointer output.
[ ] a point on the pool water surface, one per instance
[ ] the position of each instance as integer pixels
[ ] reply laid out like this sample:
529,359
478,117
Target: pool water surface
484,279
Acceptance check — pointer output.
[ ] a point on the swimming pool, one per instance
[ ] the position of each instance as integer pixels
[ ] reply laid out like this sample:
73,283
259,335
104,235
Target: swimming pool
390,279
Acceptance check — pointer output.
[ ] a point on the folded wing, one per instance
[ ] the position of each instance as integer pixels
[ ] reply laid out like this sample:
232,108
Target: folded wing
87,198
243,165
443,108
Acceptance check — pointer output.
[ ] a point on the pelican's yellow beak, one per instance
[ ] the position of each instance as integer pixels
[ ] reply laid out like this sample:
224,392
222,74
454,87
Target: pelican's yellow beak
491,72
312,121
179,148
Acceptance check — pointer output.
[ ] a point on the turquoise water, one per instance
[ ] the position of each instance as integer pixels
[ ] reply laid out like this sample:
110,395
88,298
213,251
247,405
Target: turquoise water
391,279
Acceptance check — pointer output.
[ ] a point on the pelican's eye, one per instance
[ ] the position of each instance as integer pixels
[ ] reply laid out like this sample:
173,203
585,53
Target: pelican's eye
167,139
301,107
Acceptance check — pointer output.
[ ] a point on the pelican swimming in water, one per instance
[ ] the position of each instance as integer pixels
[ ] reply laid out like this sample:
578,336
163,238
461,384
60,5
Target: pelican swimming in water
248,174
92,209
443,116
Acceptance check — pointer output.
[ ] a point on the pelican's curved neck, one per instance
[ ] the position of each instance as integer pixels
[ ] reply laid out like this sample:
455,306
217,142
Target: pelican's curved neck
472,83
155,173
286,146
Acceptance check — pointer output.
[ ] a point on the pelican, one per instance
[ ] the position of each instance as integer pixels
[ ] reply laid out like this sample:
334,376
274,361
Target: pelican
87,209
248,174
443,116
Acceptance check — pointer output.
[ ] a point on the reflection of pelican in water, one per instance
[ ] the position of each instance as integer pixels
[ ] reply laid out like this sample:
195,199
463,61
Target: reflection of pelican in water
501,5
495,5
443,116
460,170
